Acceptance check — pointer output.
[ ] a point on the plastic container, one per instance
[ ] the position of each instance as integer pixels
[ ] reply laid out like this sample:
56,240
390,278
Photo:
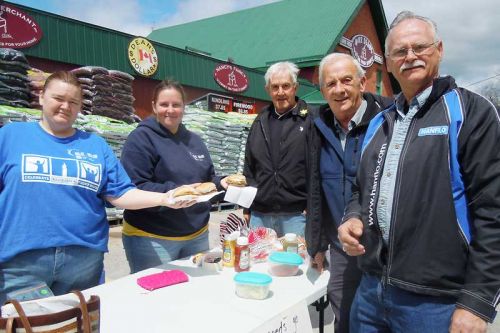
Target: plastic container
252,285
291,243
284,263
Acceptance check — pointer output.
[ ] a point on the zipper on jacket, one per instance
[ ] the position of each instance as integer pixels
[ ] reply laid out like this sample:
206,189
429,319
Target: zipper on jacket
392,226
355,151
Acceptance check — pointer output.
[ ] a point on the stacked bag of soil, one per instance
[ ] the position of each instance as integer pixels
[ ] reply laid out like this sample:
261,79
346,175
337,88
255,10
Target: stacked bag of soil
36,82
107,93
14,89
225,135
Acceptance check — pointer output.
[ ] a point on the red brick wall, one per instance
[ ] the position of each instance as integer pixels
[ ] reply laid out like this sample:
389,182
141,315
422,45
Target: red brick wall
362,25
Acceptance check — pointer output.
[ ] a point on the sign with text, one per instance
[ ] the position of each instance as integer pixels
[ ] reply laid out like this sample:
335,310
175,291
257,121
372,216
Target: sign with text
231,78
142,56
244,107
294,320
362,49
18,30
219,103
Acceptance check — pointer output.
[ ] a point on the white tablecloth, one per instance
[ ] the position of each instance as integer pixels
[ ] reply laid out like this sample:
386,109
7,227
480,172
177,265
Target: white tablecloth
207,303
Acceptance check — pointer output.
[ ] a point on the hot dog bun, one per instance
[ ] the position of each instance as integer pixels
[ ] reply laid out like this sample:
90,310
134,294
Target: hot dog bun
236,180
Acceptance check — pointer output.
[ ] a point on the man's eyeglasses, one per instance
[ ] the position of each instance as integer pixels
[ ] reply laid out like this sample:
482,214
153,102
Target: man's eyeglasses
418,50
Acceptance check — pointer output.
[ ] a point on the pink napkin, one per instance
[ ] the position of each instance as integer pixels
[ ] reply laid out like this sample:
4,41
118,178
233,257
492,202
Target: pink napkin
162,279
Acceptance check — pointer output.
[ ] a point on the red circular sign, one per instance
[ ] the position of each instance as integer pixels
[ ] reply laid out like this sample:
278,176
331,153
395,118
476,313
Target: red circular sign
362,50
18,30
231,78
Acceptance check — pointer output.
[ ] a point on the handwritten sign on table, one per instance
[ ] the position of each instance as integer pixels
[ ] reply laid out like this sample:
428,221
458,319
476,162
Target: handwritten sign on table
294,320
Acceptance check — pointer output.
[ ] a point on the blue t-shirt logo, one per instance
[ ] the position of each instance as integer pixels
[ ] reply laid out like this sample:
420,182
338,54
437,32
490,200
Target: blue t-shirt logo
61,171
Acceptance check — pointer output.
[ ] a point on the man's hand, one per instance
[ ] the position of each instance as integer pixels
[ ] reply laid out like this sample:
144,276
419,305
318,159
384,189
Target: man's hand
464,321
246,217
318,260
349,233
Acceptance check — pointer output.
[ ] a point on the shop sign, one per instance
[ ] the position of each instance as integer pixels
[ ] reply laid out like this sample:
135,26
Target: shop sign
362,49
231,78
220,103
243,107
18,30
142,56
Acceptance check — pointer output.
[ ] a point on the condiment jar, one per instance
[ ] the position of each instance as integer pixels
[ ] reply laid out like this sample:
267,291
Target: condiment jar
228,249
291,243
242,255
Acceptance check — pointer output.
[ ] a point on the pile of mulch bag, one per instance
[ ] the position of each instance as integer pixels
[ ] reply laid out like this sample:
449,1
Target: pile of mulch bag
37,80
14,89
107,93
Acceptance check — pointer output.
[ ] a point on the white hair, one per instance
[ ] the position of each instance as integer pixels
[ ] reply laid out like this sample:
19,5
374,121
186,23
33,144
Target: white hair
282,67
408,15
332,57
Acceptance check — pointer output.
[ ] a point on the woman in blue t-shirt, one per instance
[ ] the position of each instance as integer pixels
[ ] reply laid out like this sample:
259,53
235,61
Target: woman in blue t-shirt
54,183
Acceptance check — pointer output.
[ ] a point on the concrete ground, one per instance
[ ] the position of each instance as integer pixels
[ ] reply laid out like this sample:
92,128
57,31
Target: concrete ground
116,266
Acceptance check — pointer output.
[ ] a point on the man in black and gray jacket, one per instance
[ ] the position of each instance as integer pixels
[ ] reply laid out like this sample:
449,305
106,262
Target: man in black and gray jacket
275,155
425,220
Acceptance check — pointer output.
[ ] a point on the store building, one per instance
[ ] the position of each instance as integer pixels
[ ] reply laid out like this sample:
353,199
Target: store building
52,42
300,31
224,56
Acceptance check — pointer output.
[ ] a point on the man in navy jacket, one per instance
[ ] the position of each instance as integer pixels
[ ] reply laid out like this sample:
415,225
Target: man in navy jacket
425,217
334,156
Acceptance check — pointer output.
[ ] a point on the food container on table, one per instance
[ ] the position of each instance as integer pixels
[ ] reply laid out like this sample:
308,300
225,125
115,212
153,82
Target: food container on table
284,263
252,285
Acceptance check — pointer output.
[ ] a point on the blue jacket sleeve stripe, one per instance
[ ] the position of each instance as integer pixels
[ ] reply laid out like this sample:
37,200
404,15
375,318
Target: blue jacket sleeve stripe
373,127
456,117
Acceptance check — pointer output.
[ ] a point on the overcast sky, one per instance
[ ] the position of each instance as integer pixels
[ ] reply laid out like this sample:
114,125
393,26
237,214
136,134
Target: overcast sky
470,29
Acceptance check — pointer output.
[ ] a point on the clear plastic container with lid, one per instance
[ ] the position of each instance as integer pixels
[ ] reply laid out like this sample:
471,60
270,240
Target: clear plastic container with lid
252,285
284,263
291,243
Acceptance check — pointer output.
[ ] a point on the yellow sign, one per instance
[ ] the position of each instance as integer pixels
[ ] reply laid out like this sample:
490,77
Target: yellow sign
142,56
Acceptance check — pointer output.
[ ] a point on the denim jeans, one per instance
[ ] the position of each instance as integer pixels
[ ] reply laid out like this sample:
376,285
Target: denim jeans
344,281
282,224
378,308
146,252
47,272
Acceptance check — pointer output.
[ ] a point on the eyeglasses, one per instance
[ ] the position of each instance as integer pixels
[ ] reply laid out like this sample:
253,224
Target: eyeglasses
418,50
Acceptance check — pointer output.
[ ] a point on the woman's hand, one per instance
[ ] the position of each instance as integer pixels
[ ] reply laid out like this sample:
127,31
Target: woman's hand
223,183
177,204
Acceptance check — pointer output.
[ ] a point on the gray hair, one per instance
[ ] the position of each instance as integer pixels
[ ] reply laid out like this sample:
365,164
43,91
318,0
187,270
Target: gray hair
279,67
337,56
408,15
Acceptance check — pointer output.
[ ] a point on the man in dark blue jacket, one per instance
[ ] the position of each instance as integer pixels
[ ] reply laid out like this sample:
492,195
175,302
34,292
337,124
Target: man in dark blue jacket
335,153
425,216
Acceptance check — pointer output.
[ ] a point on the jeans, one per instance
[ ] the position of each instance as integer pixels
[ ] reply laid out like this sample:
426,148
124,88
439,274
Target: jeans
48,272
146,252
282,224
379,308
344,281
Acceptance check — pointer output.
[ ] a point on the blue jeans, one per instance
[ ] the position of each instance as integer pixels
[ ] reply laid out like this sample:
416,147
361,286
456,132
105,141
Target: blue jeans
147,252
378,308
48,272
282,224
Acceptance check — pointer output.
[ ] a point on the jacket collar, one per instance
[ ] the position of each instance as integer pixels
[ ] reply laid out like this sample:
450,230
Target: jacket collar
300,109
372,108
440,86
